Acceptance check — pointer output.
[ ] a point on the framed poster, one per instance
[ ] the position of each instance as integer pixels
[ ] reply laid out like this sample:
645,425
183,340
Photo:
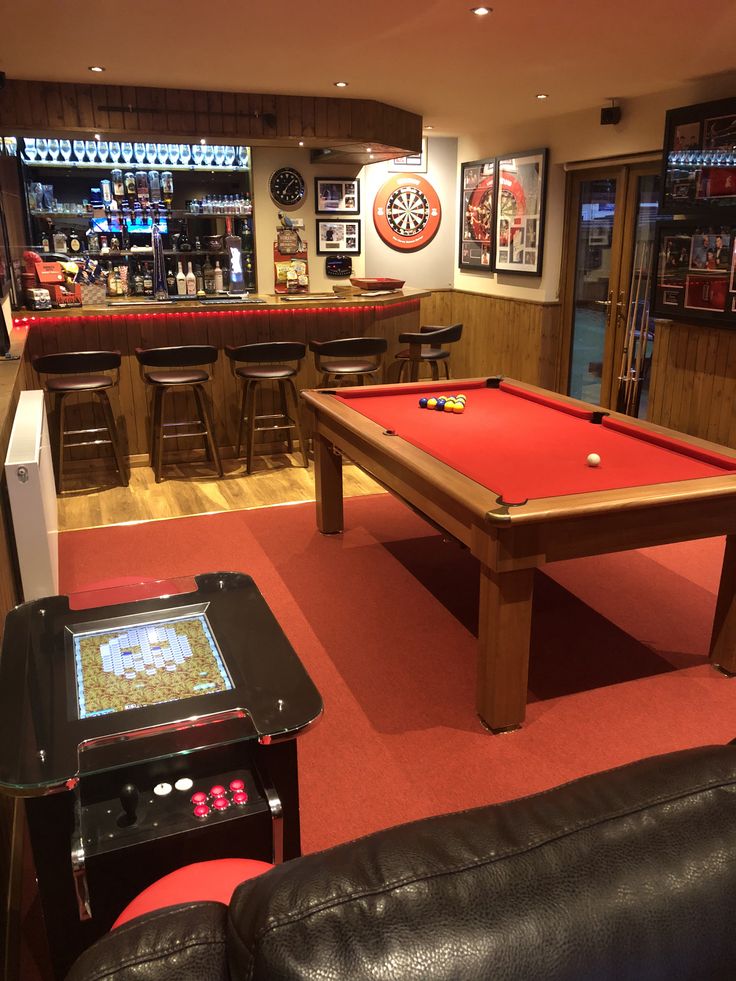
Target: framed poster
337,195
415,163
477,200
699,159
338,236
520,195
696,273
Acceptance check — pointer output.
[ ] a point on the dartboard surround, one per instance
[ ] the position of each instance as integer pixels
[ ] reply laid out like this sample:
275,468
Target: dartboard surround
407,212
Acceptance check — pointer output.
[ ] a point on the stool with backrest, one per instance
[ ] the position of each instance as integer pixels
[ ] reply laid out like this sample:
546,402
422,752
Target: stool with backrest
348,360
270,362
171,369
80,373
425,347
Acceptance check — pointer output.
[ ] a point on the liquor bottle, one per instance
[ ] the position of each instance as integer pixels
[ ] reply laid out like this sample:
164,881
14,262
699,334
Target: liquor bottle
246,234
199,279
141,186
137,282
147,280
130,185
191,281
45,242
248,210
118,184
106,188
75,245
167,187
60,244
154,183
209,277
114,244
197,244
181,282
171,281
119,284
218,277
184,244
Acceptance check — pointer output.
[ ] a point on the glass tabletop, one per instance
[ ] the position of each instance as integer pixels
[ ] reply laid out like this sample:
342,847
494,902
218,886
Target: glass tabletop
132,670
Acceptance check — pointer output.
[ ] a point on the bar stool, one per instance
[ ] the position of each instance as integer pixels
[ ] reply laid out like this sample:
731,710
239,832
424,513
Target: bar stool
253,364
426,348
77,373
182,370
350,360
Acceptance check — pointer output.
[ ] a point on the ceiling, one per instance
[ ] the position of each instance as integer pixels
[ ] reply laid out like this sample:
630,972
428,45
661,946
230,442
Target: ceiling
464,74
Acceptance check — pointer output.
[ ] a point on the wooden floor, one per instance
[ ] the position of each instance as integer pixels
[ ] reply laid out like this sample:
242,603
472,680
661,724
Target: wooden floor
96,498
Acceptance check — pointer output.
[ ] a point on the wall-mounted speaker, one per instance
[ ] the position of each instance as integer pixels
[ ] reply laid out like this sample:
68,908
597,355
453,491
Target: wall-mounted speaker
610,115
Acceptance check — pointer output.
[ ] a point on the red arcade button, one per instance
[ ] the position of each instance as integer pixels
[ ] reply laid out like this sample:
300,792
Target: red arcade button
221,804
217,791
240,797
201,811
199,798
236,785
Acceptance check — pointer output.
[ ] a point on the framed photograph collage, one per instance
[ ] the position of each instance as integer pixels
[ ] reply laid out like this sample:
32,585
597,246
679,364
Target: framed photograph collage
696,230
502,213
338,197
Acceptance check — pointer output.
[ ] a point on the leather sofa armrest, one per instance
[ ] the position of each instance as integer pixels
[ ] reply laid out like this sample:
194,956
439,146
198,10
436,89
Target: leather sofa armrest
173,943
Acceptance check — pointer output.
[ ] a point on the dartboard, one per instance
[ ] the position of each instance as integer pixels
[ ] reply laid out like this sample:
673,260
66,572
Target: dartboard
406,212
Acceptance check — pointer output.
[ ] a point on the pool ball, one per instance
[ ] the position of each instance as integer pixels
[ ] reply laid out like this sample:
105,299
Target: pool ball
450,405
422,403
440,405
431,403
593,460
459,407
461,396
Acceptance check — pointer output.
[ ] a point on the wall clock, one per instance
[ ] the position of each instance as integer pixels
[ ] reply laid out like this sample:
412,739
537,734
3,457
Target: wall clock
407,212
286,186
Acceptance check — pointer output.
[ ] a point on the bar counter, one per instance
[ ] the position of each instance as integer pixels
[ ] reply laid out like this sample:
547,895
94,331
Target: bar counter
124,326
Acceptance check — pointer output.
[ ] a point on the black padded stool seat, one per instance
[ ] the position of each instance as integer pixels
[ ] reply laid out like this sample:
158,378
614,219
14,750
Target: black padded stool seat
176,368
254,364
425,348
348,359
74,373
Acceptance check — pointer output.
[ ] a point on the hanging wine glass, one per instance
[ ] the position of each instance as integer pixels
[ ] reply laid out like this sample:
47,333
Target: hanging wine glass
185,154
173,153
53,150
114,152
29,148
151,153
219,155
196,154
139,149
207,155
91,148
66,149
79,150
229,156
162,151
42,147
103,150
127,151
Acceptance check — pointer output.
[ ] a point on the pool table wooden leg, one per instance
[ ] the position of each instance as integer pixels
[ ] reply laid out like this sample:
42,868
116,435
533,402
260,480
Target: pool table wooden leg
723,641
328,485
504,629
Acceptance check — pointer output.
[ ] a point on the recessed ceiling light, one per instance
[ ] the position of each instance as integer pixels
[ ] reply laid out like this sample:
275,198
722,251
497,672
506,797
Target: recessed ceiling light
427,126
481,11
203,141
301,142
341,85
96,68
97,136
542,96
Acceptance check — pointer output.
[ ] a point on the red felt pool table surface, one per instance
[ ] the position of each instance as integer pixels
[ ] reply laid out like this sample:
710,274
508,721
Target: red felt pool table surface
524,445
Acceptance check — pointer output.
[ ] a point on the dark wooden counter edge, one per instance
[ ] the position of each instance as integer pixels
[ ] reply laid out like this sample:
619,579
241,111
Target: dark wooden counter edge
272,303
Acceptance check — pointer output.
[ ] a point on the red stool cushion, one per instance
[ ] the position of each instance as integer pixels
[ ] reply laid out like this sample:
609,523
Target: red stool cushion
203,881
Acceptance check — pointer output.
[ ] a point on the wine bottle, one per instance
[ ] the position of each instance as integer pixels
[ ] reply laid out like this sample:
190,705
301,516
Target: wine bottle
218,278
181,282
137,282
184,244
191,281
171,282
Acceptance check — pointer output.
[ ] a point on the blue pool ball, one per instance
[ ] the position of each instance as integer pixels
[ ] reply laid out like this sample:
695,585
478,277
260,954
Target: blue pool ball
422,403
441,404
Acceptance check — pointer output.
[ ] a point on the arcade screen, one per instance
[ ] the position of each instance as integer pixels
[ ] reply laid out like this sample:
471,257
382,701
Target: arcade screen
124,667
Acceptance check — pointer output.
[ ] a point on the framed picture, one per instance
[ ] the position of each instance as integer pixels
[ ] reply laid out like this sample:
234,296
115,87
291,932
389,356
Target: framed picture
477,202
699,163
520,196
338,236
337,195
415,163
695,273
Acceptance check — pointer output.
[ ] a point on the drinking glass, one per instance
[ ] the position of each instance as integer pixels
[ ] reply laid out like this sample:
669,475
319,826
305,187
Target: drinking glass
91,147
53,149
173,153
185,154
140,152
127,151
162,150
29,148
103,150
79,150
219,155
42,148
229,156
207,155
151,153
114,152
196,154
66,149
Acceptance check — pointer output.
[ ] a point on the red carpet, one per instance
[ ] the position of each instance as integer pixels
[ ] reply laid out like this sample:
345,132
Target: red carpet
383,618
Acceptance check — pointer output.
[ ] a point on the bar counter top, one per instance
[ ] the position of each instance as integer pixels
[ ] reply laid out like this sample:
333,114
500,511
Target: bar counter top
266,302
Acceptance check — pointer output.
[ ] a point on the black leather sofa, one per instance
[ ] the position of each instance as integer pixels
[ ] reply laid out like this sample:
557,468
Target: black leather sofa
626,875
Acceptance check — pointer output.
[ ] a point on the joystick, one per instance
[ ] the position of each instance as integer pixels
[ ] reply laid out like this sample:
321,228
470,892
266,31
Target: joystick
129,801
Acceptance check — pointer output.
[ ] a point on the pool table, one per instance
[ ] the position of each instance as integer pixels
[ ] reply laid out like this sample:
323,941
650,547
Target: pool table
510,478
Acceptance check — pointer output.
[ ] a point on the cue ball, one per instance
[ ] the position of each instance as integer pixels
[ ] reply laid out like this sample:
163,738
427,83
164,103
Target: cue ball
593,460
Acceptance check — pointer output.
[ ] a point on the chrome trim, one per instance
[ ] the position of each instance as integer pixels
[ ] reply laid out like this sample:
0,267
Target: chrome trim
192,722
277,822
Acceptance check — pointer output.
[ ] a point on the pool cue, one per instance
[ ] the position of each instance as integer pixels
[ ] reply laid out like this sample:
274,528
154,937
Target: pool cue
623,381
643,324
632,340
